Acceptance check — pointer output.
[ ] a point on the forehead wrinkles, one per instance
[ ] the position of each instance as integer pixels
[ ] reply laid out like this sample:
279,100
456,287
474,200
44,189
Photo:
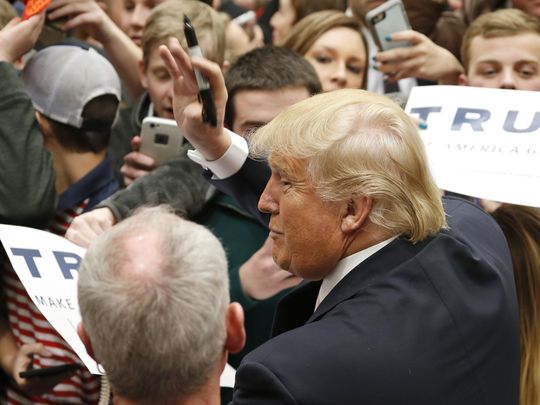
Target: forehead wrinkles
292,167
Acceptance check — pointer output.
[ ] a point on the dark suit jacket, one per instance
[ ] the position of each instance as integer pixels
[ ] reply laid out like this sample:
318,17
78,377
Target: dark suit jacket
432,323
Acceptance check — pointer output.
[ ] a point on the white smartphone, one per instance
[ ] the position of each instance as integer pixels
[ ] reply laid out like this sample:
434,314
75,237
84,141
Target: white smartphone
161,139
386,19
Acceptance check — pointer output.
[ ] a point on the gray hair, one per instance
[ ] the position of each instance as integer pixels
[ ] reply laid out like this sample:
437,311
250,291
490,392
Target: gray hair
155,317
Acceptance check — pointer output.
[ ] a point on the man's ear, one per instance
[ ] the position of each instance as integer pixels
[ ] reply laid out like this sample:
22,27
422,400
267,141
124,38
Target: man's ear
44,125
142,74
81,331
236,334
463,80
357,214
225,67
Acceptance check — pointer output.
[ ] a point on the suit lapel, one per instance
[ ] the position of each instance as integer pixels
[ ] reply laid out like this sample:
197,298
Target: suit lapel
296,307
373,269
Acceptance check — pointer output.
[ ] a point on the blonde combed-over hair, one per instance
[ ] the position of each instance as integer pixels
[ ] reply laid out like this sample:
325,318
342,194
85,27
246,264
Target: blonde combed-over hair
359,144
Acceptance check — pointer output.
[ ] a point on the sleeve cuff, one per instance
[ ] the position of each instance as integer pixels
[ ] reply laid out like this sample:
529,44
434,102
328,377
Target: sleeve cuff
228,164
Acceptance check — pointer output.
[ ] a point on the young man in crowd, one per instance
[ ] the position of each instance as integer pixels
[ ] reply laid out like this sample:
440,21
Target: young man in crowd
501,49
154,299
63,133
165,21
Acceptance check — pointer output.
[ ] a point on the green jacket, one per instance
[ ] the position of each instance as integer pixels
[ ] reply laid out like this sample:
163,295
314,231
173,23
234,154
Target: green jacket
27,190
241,236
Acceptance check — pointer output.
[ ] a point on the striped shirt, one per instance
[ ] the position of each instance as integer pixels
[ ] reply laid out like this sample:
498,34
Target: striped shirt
30,326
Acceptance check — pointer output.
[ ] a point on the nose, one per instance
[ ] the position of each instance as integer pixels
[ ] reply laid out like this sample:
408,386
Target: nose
139,16
508,79
267,201
339,75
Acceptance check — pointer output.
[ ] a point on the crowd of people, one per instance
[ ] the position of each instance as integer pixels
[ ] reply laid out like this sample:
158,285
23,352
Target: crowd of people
302,239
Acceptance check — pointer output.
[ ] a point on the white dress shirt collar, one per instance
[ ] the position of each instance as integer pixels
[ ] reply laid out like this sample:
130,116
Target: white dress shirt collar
345,266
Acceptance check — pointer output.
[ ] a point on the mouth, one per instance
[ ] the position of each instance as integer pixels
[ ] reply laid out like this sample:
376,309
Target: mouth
136,39
168,113
274,233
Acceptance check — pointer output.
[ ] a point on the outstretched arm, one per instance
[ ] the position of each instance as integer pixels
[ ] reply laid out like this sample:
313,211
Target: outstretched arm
27,180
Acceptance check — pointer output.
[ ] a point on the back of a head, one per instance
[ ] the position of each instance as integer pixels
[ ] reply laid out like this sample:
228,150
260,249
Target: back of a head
359,144
153,293
500,23
303,8
78,91
521,226
269,68
165,21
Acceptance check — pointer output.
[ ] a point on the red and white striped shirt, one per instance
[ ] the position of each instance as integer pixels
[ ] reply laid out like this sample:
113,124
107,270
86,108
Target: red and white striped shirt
30,326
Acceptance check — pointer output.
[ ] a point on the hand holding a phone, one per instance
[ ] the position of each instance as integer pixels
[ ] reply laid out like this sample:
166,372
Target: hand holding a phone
136,164
423,59
18,37
211,141
37,385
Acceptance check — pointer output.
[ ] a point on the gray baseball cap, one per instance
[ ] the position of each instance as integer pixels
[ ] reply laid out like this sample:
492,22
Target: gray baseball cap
62,79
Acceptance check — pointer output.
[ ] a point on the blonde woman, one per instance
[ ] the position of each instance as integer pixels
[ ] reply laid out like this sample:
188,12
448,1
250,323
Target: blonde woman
333,43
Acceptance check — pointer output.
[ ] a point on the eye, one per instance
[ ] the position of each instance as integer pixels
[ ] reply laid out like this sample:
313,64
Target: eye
129,6
527,72
323,59
356,69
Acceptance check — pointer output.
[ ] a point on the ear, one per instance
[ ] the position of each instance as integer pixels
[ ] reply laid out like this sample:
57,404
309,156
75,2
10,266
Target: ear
44,126
357,214
463,80
236,334
225,67
142,74
81,331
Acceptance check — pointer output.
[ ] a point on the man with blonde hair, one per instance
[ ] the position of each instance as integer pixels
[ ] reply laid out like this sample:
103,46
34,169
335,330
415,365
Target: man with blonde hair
401,307
154,298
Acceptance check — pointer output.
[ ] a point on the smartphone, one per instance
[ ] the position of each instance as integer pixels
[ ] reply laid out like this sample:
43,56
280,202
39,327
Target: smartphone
386,19
48,371
161,139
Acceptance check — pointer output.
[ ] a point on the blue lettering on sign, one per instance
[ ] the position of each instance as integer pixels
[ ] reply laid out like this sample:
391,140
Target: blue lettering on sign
28,255
423,112
463,116
510,123
65,266
67,262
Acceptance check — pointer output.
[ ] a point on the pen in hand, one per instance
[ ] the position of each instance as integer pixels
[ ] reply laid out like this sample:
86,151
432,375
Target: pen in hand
205,92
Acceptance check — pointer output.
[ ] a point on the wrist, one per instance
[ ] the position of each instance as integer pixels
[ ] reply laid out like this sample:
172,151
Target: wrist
217,148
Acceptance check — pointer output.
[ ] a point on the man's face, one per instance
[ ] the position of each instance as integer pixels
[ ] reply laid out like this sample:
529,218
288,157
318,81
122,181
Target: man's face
133,16
306,230
531,7
255,108
157,81
511,62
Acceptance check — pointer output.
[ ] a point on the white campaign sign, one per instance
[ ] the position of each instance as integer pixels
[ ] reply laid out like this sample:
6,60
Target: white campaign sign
47,266
482,142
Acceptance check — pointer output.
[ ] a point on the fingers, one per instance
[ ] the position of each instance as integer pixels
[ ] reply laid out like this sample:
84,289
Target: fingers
213,73
136,164
87,227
